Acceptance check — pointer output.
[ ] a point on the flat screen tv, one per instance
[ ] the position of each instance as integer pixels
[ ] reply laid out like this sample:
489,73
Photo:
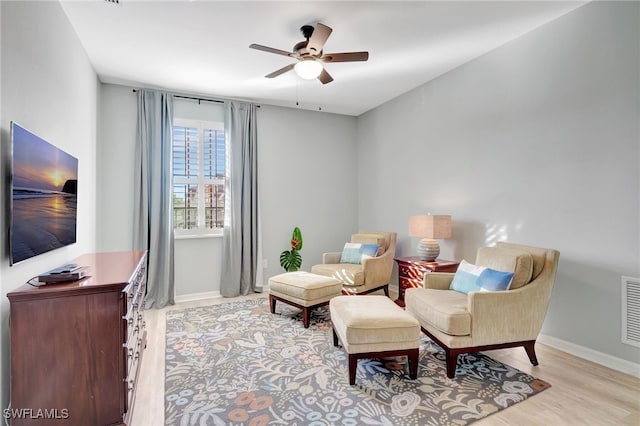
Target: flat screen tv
44,188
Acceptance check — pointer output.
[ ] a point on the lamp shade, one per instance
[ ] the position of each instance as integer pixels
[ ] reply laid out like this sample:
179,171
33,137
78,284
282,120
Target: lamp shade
430,226
308,69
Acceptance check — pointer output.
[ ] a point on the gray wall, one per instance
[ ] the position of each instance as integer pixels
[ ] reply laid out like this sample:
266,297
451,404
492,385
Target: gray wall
536,142
307,178
307,168
116,155
49,87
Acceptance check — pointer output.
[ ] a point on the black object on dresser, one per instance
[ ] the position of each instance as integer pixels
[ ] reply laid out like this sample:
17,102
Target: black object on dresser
76,347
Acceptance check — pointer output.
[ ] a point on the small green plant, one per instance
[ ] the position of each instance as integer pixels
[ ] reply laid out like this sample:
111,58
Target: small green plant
291,260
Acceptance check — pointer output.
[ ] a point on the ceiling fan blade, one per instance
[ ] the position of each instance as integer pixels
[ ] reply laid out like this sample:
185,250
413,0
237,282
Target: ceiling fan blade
281,71
345,57
270,50
318,39
325,77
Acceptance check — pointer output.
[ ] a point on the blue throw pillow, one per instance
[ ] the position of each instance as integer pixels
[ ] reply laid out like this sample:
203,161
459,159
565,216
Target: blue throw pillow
471,277
370,250
355,252
350,253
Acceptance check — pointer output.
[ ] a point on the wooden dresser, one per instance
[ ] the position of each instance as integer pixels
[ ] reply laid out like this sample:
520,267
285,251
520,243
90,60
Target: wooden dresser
411,272
76,347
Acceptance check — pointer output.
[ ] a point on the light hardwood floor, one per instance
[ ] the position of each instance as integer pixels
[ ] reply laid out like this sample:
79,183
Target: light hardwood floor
581,393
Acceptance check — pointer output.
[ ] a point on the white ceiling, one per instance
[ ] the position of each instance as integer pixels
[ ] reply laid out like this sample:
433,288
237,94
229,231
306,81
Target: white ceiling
202,47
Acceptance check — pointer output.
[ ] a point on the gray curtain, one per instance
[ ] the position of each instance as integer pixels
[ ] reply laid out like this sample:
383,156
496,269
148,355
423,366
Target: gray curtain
242,245
153,228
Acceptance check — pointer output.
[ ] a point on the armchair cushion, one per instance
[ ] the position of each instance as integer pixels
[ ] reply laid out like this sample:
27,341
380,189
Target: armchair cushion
350,274
447,311
471,277
355,252
519,262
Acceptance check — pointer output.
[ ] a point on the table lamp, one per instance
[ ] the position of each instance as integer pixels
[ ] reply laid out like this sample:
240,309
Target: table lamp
429,228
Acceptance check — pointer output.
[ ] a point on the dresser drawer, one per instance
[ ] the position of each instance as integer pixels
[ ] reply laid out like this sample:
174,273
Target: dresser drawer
406,283
411,272
130,383
134,336
133,353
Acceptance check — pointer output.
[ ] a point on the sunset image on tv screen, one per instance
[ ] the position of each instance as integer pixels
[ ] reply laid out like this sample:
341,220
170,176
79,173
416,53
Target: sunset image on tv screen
44,203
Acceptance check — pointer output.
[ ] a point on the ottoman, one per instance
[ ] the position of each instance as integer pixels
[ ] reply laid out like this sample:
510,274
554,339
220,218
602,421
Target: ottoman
374,327
303,290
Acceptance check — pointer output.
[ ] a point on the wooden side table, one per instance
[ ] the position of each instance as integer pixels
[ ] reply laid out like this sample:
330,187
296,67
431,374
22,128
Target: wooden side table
411,272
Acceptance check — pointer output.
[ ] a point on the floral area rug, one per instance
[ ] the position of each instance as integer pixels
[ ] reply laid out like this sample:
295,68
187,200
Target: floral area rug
238,364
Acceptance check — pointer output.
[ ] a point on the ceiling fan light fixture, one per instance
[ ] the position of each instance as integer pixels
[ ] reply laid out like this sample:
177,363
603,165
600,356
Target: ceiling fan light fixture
310,56
308,69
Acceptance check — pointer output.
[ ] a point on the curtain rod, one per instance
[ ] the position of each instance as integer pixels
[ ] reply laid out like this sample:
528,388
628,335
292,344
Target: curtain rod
219,101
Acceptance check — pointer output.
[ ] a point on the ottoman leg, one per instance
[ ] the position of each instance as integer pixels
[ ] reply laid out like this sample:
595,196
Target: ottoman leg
306,317
272,303
335,337
353,366
413,355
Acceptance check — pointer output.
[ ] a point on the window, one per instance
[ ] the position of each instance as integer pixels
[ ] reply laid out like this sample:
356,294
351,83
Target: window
198,177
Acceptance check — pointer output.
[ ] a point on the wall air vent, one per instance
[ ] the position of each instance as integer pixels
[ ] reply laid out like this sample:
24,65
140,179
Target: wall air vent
631,311
113,1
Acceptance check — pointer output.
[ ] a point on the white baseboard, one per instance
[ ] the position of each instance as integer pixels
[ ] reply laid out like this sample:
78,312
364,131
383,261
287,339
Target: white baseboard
615,363
197,296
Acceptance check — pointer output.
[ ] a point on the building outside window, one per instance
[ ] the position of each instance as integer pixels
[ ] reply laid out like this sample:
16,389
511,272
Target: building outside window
199,160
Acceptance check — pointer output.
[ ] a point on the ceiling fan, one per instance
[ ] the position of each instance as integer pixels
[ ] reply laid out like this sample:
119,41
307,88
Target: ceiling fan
310,55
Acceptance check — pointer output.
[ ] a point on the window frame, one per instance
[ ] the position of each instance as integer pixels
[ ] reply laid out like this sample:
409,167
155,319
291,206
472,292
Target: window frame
200,231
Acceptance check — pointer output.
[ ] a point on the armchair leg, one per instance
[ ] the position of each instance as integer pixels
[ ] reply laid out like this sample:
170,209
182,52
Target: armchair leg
531,352
451,354
452,363
272,303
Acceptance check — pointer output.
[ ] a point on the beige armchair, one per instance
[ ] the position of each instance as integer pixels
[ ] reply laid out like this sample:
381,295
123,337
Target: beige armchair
374,273
478,321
